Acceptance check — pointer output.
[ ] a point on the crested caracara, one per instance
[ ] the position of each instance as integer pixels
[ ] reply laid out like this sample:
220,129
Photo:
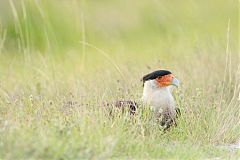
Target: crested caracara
157,93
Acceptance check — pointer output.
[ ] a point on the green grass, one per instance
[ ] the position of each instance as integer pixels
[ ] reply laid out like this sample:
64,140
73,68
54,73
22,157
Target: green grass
60,60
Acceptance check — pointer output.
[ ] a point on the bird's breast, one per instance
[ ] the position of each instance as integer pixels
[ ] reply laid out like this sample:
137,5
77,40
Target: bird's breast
159,100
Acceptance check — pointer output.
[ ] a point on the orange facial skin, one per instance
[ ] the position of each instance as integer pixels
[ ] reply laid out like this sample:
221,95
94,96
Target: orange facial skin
165,80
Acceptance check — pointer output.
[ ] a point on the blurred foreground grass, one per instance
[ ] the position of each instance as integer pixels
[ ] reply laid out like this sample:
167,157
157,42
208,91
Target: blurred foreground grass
61,59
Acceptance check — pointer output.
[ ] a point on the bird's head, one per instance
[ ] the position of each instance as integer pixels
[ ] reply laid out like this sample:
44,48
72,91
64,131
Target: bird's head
163,78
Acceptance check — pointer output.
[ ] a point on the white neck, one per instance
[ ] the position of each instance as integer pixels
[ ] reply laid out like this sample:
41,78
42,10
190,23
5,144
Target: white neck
159,98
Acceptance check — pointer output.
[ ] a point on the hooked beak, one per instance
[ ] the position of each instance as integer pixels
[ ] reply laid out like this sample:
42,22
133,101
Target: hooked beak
175,82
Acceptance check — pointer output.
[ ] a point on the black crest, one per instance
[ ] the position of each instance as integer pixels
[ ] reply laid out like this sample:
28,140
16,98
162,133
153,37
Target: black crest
155,74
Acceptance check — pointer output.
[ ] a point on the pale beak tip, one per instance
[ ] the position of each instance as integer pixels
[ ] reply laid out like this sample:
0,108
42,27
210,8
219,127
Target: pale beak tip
175,82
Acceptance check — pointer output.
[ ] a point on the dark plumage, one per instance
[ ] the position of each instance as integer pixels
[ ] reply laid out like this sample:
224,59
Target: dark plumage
155,74
123,105
131,105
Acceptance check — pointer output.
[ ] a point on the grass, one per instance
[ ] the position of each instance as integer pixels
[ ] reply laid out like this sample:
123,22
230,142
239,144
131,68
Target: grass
57,68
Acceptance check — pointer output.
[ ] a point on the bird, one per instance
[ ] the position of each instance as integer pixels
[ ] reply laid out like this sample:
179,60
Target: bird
157,93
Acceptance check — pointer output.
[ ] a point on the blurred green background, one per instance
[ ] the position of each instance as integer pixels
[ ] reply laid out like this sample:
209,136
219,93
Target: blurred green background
140,27
63,41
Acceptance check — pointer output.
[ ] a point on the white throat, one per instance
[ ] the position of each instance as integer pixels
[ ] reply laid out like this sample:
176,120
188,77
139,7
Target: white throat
159,98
